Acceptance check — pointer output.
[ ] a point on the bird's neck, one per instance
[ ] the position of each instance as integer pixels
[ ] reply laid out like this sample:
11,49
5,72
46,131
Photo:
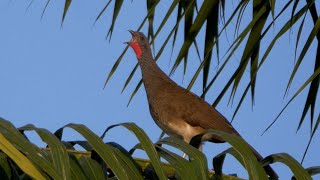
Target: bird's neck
153,77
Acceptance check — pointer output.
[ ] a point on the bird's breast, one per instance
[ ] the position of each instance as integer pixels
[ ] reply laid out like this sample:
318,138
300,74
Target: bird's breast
170,120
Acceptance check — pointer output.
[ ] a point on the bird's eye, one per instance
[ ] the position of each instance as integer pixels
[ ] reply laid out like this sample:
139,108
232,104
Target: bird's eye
141,38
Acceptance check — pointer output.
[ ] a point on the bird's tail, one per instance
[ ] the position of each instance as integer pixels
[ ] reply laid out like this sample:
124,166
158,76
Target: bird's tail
272,174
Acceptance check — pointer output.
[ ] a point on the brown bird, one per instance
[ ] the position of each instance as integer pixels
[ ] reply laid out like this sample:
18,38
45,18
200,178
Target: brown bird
177,111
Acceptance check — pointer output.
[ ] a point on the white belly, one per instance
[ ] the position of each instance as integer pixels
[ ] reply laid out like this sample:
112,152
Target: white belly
179,129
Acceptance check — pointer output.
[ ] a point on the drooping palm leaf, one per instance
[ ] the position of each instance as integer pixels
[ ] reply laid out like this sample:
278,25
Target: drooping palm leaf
294,165
65,9
188,21
117,63
304,85
314,86
102,11
85,165
179,16
311,137
197,159
218,160
249,161
106,152
240,5
194,30
34,153
44,9
145,143
299,35
311,37
150,8
20,159
91,168
116,10
313,170
211,37
252,47
181,165
234,47
281,32
59,153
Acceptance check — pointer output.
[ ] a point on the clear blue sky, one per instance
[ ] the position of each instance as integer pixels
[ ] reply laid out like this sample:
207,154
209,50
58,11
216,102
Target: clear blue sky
52,76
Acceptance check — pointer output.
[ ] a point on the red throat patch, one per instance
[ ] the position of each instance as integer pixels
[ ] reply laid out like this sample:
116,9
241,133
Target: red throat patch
137,49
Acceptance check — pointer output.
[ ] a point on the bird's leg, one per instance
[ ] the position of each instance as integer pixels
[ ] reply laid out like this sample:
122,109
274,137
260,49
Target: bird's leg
184,155
200,147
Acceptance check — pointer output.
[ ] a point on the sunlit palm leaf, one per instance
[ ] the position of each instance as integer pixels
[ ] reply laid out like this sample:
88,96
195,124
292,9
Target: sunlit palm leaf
21,160
33,152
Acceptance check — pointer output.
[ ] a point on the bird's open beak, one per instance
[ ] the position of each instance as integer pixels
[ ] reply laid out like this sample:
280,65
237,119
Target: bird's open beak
131,32
133,39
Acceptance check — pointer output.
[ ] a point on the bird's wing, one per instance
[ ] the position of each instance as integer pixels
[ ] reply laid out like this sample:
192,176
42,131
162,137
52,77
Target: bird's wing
198,112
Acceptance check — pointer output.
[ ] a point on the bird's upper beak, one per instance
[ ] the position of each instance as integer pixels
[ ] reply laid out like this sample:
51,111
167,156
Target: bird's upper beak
133,39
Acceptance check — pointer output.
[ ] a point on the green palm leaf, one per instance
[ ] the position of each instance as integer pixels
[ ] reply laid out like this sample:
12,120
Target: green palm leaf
21,160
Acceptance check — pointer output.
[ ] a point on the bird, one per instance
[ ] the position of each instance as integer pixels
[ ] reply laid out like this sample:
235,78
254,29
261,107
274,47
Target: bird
176,110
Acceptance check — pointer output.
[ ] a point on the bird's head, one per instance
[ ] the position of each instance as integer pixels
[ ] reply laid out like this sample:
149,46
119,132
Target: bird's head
139,43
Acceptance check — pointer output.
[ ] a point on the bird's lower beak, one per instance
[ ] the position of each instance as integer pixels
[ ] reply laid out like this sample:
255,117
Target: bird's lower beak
133,39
